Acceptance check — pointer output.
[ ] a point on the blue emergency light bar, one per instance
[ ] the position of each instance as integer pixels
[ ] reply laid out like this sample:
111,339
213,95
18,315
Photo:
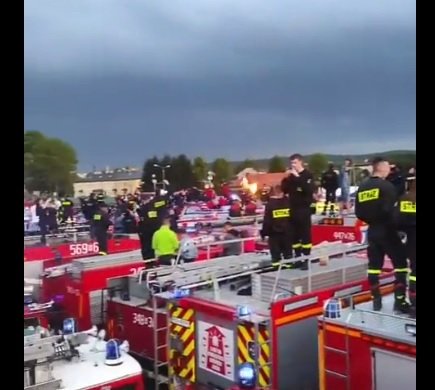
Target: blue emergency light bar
247,376
180,293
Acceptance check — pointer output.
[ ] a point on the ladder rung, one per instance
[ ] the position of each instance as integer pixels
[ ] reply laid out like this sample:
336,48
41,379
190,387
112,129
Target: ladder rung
161,329
161,364
337,374
341,351
162,346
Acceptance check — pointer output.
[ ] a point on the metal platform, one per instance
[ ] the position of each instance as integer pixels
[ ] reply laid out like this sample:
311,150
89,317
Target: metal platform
382,324
338,271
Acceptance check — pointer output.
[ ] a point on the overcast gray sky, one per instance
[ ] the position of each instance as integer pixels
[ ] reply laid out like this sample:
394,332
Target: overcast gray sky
122,80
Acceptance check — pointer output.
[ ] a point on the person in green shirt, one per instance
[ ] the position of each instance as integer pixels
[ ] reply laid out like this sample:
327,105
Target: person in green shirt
165,243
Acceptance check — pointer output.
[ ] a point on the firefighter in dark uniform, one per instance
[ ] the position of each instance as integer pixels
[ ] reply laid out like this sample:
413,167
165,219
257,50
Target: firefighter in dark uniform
276,226
148,224
300,189
330,183
406,213
66,210
100,224
89,206
374,205
160,204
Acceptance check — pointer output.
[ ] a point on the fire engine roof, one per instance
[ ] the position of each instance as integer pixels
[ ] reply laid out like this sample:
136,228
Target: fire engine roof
383,324
90,371
30,241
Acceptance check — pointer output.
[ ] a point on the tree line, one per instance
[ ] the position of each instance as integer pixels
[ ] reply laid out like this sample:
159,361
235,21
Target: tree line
50,166
181,172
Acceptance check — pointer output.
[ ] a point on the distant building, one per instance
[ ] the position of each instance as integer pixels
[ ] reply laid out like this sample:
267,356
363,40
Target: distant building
110,182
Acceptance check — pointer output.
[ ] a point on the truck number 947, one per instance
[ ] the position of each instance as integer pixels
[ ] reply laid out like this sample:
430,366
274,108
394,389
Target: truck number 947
143,320
83,249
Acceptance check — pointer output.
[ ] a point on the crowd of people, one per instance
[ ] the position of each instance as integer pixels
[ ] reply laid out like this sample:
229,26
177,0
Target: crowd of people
384,201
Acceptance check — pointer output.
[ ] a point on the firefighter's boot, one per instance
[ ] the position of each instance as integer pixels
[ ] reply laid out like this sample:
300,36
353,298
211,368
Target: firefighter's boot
332,211
377,298
401,306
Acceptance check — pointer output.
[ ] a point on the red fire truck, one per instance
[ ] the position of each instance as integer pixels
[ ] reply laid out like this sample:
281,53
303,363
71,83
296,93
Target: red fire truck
83,282
38,258
330,229
363,350
251,314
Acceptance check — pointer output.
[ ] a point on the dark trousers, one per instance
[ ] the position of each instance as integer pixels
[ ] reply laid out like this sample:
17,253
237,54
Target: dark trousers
280,246
43,229
411,249
101,237
330,198
145,238
166,259
384,240
301,226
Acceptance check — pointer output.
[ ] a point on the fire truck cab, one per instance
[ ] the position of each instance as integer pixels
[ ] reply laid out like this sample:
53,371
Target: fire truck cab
360,349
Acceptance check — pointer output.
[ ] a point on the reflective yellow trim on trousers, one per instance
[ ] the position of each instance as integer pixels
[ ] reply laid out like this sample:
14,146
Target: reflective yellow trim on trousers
401,270
307,246
295,246
413,278
374,271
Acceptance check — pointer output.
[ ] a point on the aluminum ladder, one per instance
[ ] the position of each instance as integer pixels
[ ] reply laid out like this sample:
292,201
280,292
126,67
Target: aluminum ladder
160,380
343,352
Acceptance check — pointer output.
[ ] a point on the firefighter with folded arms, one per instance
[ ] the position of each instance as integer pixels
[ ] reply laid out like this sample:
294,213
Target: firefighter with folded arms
276,226
406,213
299,186
100,224
375,205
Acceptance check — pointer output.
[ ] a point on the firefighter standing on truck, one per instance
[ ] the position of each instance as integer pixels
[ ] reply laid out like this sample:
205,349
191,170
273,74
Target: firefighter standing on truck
148,224
165,243
66,210
100,224
300,188
276,226
374,205
407,222
330,183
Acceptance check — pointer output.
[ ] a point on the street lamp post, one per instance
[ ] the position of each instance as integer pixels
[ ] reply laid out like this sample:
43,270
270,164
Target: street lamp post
163,169
154,181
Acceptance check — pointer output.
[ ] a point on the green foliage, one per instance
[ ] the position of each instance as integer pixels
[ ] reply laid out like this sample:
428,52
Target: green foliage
49,163
179,174
276,165
200,169
404,160
147,172
317,163
222,170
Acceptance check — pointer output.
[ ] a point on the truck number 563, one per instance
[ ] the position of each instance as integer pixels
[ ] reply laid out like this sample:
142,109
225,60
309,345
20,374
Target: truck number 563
143,320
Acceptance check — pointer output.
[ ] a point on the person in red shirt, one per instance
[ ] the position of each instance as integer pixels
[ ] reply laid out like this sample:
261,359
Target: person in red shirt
251,208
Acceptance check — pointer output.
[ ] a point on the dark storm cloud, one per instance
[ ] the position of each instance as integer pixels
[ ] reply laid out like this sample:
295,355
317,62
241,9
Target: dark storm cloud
213,78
